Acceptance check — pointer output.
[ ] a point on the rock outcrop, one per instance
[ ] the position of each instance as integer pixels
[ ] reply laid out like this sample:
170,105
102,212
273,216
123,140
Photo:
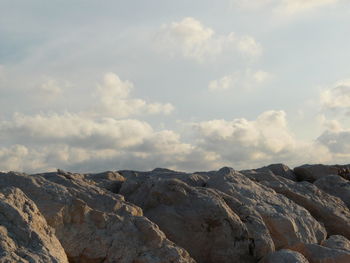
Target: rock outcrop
289,224
266,215
24,233
319,254
313,172
278,169
197,219
328,209
337,242
335,185
92,224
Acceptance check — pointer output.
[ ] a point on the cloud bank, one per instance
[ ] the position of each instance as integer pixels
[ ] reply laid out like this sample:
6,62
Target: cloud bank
110,139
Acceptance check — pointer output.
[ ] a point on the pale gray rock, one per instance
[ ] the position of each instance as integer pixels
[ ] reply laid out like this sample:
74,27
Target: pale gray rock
195,218
278,169
257,230
313,172
284,256
93,224
289,224
328,209
24,234
337,242
335,185
195,179
319,254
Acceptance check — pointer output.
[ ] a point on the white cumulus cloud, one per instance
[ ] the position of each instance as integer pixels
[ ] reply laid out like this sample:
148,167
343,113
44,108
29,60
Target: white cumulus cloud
337,97
114,100
74,129
191,39
246,143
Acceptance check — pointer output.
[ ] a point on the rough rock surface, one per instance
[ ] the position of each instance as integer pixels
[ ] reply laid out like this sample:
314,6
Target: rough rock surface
337,242
313,172
218,216
289,224
319,254
335,185
94,225
197,219
272,220
328,209
24,234
111,181
257,229
284,256
275,169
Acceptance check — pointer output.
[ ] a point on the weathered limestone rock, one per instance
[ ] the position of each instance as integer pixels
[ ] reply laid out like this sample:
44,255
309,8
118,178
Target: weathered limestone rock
24,234
279,169
313,172
335,185
113,238
284,256
289,224
257,230
337,242
197,219
318,254
328,209
196,179
94,225
111,181
217,216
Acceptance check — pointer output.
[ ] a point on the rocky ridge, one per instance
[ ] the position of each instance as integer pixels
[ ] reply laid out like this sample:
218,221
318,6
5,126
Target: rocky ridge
266,215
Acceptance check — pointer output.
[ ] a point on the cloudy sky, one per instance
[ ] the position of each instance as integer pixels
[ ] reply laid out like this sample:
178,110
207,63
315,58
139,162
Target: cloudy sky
189,85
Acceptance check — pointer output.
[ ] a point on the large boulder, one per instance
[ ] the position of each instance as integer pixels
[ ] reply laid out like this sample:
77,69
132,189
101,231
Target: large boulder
278,169
289,224
284,256
328,209
257,229
111,181
195,218
335,185
337,242
319,254
192,179
313,172
95,225
24,234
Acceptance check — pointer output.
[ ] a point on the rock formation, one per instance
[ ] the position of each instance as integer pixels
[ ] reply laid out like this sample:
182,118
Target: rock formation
284,256
267,215
24,233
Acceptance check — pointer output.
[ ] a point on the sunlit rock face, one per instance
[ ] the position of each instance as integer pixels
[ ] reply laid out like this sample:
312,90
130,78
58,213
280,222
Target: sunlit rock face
269,214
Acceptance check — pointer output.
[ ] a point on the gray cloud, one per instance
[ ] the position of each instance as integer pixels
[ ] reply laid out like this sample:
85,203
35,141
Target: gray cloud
338,142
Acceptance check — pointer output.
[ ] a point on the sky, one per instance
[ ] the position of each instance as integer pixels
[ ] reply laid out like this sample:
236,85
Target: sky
91,86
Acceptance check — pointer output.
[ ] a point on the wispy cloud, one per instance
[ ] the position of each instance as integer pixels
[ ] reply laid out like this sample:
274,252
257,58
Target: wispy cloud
240,80
191,39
